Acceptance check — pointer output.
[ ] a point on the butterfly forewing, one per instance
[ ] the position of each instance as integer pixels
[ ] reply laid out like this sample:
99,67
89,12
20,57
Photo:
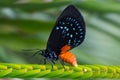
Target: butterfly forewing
68,30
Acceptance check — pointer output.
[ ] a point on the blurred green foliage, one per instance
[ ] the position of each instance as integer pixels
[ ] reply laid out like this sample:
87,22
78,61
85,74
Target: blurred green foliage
27,24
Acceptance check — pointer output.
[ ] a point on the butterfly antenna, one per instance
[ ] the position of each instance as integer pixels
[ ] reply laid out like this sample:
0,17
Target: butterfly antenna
36,53
30,49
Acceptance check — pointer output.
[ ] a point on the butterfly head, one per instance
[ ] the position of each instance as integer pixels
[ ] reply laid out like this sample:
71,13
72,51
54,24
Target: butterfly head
49,54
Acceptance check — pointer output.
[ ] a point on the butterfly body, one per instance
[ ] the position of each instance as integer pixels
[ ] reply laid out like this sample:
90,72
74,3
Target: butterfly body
49,54
68,32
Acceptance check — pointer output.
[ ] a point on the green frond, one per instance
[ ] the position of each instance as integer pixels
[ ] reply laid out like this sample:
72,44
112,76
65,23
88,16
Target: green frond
9,70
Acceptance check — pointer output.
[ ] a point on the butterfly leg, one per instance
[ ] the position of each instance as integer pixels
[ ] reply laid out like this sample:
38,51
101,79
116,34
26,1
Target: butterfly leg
44,60
53,61
41,60
62,63
50,62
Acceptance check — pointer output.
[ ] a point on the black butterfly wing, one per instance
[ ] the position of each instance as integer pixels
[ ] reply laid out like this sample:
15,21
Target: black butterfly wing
68,30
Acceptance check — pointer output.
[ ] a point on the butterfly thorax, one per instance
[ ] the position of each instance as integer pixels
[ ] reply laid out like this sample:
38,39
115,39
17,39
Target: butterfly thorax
49,54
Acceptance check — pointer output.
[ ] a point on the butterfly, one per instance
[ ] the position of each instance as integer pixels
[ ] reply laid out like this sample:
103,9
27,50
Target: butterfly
67,33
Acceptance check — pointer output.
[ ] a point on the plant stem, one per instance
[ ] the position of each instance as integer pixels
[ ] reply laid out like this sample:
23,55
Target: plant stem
9,70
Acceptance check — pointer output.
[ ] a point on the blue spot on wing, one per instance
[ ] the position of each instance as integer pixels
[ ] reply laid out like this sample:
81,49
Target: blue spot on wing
73,23
71,31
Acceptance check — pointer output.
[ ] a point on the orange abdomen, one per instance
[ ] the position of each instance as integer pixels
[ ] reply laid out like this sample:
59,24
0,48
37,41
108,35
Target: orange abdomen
69,58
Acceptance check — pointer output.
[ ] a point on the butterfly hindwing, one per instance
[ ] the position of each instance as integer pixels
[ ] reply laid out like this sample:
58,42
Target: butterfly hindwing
68,30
